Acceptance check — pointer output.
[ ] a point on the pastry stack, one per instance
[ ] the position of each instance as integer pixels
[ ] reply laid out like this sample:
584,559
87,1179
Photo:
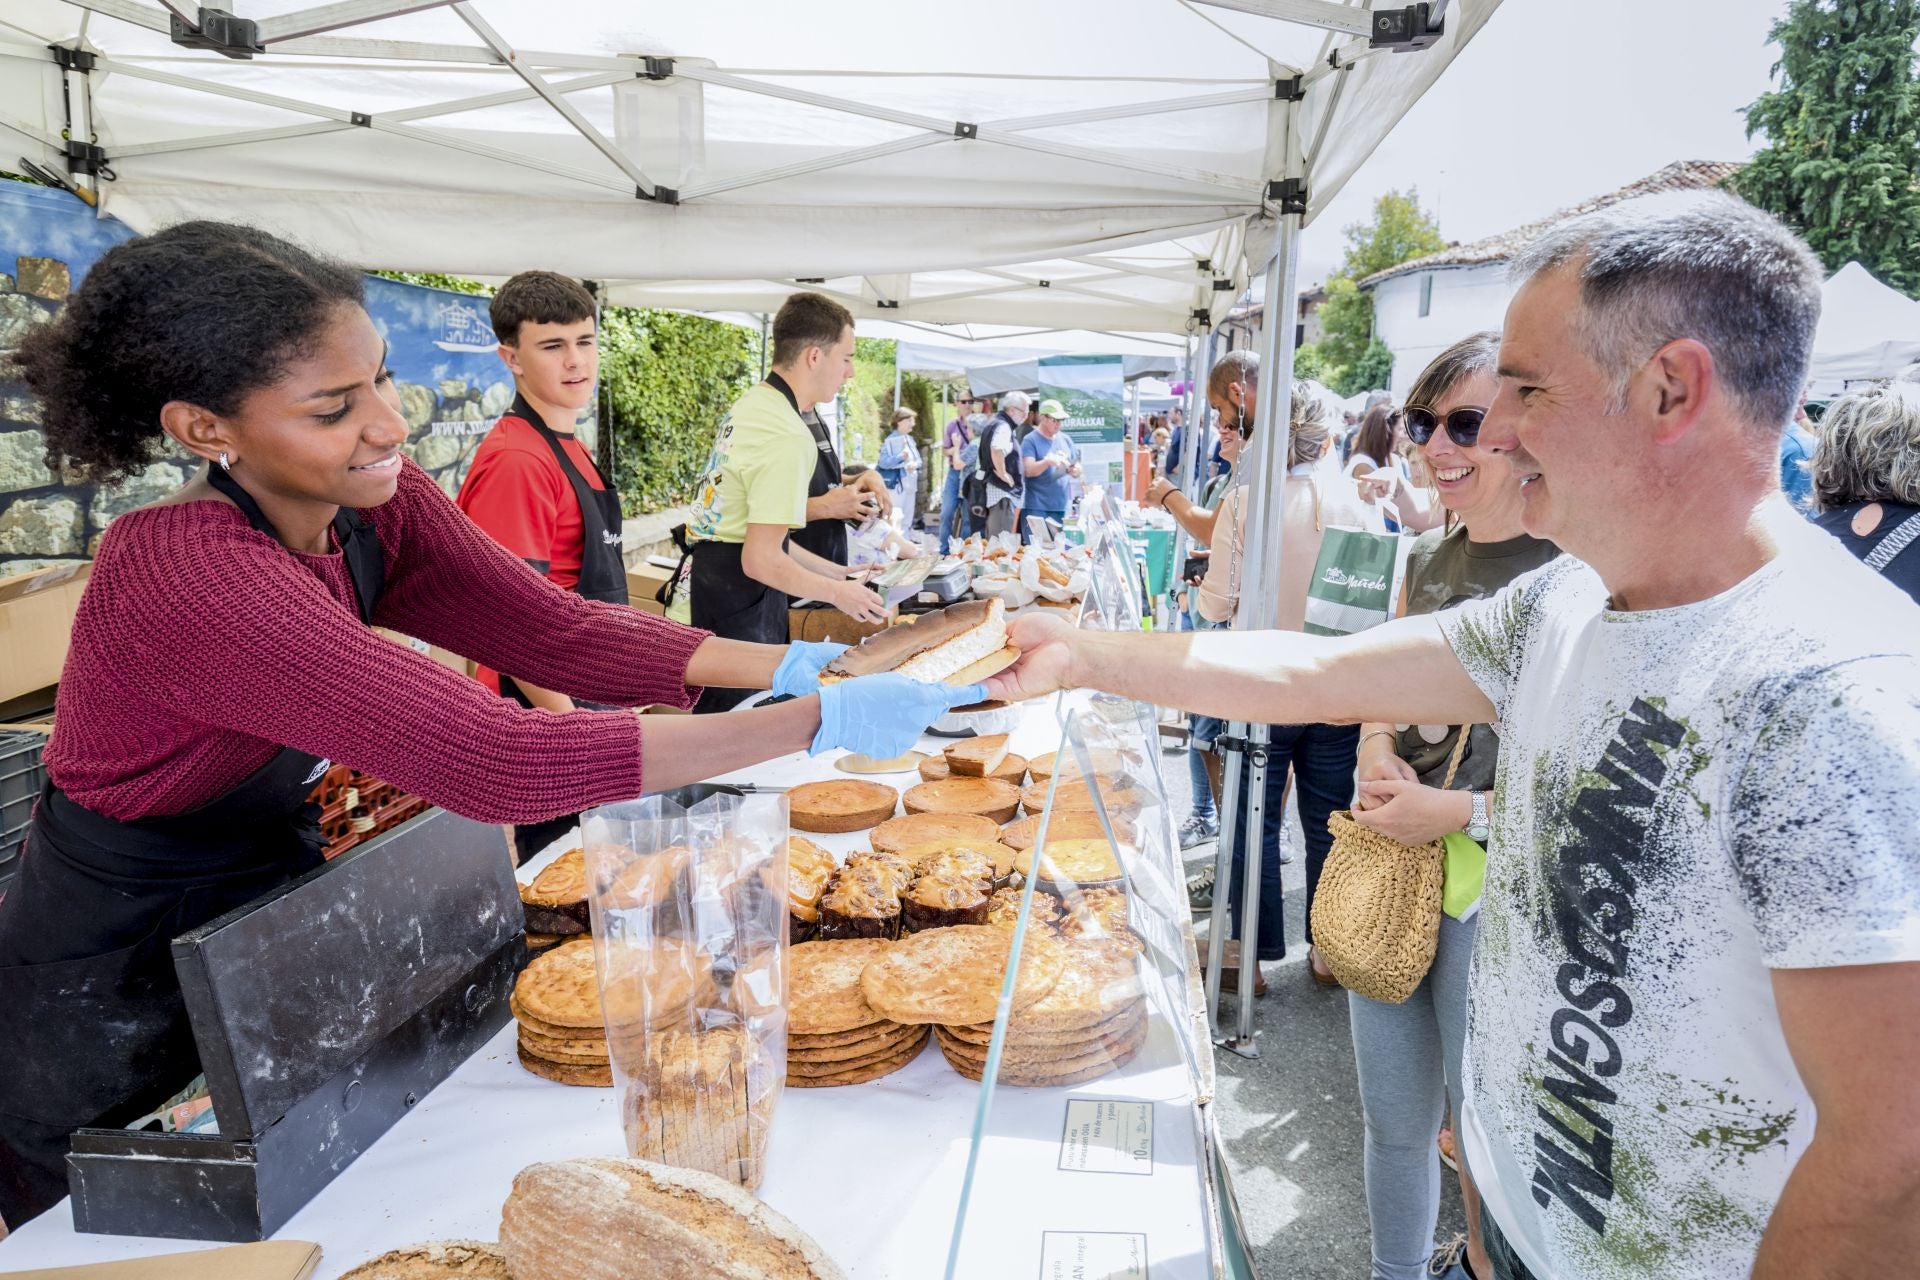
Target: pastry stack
556,902
556,1001
834,1036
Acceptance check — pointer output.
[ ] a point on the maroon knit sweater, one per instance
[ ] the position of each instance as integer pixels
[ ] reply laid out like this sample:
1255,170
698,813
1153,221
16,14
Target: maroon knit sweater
202,647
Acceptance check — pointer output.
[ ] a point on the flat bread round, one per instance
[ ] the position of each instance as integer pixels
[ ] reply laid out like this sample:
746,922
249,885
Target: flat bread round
895,1037
830,1039
857,1075
1040,1057
1095,1066
909,1047
1098,978
549,1029
993,798
593,1076
1069,824
899,834
855,762
645,880
824,993
955,974
980,1034
436,1260
1080,862
556,1049
560,987
1012,769
991,665
840,805
655,984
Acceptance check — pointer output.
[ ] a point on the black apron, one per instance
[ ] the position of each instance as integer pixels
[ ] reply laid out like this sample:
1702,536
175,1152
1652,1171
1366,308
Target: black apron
90,1008
736,607
603,571
603,576
825,538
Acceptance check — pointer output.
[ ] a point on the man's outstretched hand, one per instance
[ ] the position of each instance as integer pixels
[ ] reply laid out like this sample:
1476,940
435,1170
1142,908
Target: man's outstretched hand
1045,665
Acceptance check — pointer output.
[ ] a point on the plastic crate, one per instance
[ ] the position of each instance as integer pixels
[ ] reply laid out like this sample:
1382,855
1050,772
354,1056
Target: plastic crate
23,772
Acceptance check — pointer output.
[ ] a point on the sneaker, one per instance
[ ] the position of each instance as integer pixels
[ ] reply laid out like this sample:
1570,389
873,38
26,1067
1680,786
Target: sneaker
1200,889
1449,1261
1197,831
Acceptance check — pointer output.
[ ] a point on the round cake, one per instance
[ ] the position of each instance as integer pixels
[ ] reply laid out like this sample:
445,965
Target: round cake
994,798
1012,768
1067,824
840,804
1077,863
1074,795
896,835
1105,761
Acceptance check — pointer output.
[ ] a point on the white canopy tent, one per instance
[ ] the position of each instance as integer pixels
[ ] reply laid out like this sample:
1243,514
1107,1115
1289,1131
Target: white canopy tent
1104,165
1867,331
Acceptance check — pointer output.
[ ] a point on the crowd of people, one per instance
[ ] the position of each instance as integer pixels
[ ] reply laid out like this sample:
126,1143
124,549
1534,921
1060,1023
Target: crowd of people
1663,618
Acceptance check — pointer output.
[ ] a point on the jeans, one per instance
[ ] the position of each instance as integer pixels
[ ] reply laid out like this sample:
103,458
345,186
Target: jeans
1506,1263
951,513
1201,731
1322,759
1408,1056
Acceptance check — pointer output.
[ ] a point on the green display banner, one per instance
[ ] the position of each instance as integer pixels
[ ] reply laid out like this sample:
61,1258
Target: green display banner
1092,389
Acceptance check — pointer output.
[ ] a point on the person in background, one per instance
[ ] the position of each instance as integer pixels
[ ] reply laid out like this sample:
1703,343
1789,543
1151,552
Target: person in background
954,439
1865,478
754,493
1408,1054
1159,442
1797,445
1049,459
1379,462
1000,457
533,487
899,463
1204,769
1176,433
1318,758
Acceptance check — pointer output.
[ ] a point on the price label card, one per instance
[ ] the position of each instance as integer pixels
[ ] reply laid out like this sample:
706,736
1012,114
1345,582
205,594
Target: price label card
1105,1135
1092,1255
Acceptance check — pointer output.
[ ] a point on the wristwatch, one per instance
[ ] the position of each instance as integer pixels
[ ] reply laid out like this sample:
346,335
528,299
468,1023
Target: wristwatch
1477,828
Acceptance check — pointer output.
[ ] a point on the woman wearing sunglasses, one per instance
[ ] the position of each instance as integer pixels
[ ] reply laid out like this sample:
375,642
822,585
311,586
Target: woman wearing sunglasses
1409,1055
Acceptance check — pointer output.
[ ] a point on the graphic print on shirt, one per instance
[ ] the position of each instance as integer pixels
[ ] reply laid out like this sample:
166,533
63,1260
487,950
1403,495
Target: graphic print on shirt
1594,892
703,521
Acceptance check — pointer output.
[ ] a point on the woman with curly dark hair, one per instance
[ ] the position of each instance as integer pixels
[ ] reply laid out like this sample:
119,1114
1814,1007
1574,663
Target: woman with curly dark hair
223,652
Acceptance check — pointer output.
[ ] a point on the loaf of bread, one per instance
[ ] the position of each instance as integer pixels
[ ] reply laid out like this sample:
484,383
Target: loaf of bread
604,1219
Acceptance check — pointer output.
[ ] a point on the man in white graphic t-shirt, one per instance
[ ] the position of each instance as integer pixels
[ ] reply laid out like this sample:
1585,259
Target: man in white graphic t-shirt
1695,1007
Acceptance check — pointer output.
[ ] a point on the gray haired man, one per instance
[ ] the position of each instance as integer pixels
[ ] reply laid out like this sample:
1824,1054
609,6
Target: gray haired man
1702,908
1000,458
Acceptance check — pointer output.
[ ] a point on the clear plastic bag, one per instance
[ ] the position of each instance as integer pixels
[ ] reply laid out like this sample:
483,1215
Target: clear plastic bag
690,937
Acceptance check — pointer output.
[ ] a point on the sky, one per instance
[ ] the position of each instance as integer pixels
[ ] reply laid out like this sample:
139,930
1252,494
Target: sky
1558,100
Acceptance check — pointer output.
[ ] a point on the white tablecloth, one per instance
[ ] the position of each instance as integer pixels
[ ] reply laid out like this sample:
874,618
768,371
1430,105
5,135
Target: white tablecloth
873,1172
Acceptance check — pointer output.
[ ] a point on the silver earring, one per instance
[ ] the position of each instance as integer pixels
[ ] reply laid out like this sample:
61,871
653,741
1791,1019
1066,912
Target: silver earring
225,465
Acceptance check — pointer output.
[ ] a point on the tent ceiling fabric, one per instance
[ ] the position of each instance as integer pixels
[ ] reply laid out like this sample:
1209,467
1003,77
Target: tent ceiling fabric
926,171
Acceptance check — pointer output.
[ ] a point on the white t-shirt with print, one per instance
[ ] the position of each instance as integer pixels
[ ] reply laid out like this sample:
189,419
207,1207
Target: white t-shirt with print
1687,798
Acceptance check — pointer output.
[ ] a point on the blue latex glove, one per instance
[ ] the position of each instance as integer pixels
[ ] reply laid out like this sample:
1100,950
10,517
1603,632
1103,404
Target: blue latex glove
884,715
799,671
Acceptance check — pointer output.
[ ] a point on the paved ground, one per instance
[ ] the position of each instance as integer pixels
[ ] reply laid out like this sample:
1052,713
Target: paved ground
1290,1120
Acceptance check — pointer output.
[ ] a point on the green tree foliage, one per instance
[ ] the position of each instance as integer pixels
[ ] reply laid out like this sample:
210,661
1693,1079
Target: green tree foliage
1400,231
1308,363
435,280
1842,161
666,381
1371,372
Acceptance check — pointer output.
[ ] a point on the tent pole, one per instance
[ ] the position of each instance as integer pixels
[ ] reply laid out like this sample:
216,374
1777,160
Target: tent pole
1259,564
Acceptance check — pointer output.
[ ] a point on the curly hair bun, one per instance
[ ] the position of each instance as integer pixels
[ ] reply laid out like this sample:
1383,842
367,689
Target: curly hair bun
203,312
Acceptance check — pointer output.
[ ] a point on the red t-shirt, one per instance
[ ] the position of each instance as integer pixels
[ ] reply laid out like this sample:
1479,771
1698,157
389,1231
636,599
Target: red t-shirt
516,492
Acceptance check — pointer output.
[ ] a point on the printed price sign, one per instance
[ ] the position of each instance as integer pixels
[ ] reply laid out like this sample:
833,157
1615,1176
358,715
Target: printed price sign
1092,1255
1103,1135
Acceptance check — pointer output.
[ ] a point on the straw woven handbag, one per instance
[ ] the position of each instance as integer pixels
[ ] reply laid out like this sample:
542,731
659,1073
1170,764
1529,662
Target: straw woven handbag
1376,911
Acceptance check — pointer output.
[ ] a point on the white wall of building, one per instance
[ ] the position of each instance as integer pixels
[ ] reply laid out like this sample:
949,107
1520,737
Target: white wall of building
1463,300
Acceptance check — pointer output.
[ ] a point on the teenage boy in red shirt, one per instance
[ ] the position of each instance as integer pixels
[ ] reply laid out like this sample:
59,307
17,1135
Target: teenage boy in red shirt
533,486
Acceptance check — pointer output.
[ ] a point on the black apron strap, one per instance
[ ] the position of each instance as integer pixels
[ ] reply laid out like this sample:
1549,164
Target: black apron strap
603,570
352,531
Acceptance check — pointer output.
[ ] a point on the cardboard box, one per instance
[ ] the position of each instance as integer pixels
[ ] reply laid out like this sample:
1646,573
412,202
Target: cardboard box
36,625
644,580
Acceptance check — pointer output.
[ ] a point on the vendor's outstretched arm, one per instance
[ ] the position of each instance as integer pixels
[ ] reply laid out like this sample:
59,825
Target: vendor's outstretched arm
734,664
1402,672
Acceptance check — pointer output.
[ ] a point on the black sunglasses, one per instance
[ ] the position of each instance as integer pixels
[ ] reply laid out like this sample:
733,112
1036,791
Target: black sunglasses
1462,424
